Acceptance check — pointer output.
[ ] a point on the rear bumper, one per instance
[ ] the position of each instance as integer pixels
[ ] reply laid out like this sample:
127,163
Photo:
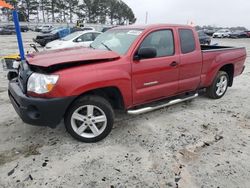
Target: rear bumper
38,111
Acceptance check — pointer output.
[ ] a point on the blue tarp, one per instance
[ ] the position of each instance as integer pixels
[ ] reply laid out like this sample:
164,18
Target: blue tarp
64,32
18,34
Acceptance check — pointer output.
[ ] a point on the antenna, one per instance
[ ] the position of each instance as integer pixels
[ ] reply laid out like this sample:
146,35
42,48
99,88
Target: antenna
146,19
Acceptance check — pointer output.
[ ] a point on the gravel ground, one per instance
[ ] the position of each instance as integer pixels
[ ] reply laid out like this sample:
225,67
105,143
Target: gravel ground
202,143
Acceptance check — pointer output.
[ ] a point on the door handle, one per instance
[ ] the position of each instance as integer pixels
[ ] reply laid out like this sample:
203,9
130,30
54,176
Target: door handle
174,64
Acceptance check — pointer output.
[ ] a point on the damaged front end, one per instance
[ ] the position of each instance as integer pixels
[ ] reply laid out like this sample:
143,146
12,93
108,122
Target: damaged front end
37,111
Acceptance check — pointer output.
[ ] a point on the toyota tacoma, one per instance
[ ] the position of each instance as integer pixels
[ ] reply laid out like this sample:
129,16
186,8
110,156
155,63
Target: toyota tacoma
134,68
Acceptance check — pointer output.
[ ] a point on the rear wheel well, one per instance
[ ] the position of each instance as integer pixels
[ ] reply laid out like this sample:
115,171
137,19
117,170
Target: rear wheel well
229,69
111,94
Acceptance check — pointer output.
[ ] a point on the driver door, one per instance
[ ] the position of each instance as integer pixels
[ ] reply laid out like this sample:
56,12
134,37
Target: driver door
157,77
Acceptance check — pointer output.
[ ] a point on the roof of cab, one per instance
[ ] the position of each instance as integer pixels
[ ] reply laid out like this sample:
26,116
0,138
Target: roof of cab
151,26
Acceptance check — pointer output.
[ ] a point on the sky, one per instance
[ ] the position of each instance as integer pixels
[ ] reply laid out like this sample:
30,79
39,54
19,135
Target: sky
224,13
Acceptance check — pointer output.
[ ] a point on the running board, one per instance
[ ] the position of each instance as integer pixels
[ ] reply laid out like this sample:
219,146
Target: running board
172,102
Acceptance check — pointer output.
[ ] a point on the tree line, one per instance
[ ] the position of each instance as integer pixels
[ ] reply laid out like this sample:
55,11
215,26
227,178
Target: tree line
89,11
209,27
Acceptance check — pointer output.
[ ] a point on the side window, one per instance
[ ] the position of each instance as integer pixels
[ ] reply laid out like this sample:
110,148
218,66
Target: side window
187,40
162,41
95,35
85,38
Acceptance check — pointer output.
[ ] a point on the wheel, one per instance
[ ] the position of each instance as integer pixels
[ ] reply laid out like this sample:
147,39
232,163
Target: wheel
219,86
89,119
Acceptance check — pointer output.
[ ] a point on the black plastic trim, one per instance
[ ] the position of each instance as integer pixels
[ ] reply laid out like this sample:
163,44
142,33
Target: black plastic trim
38,111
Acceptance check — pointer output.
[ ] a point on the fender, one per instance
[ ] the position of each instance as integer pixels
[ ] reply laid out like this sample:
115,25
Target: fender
79,80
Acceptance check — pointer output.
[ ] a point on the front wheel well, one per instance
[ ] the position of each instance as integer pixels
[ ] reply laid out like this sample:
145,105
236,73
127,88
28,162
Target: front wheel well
111,94
229,69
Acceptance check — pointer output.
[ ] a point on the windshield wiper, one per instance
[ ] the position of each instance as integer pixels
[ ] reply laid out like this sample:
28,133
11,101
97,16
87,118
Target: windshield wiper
105,45
91,46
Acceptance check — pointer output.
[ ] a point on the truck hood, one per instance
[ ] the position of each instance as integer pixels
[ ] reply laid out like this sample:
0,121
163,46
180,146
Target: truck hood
69,56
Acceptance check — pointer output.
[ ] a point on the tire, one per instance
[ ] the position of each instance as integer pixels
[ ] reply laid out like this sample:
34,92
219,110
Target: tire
81,119
221,81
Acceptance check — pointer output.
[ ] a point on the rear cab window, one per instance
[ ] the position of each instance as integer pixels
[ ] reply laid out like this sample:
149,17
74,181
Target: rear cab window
187,40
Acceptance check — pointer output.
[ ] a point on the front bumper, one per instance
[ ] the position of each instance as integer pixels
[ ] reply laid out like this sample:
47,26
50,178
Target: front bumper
38,111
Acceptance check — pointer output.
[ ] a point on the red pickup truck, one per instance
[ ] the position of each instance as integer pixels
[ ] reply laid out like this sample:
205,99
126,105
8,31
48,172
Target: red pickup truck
133,68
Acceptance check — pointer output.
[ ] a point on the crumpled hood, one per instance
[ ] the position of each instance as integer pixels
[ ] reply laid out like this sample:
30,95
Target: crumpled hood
69,55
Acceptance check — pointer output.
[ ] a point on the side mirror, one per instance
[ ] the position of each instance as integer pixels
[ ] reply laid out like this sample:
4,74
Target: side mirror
146,53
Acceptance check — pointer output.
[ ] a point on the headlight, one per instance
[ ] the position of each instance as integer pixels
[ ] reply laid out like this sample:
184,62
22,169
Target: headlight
41,83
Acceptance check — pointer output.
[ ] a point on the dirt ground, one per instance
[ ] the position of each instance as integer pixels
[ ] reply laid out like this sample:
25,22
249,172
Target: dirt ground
202,143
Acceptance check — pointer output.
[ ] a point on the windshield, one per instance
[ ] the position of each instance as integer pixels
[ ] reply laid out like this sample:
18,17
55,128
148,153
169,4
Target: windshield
116,40
71,36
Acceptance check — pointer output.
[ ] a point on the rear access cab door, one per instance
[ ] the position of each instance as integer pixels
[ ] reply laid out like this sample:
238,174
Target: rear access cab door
156,78
190,60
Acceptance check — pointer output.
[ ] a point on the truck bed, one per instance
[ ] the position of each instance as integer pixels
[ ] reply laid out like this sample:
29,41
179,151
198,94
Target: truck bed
214,57
216,48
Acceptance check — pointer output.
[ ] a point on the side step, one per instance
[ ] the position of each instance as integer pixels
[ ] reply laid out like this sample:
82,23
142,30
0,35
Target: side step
169,103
